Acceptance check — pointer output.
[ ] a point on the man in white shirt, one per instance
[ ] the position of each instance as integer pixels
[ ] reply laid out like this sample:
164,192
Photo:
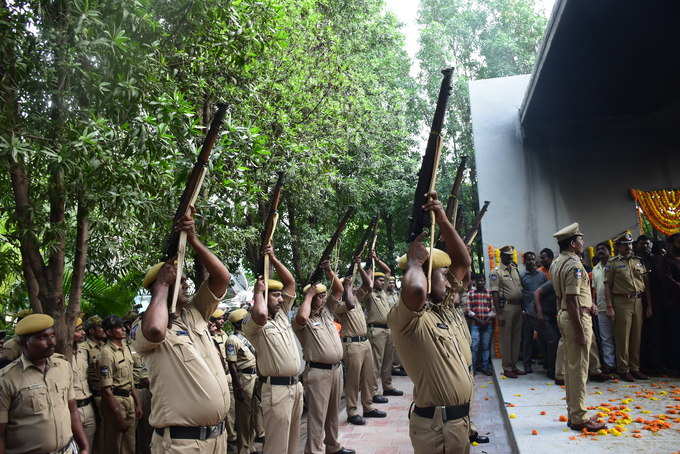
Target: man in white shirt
606,324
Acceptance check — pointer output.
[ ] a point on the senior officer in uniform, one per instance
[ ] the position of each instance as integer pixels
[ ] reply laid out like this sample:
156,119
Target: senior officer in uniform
120,404
572,288
625,285
506,288
38,411
377,305
429,346
189,391
314,325
278,359
357,355
81,389
242,365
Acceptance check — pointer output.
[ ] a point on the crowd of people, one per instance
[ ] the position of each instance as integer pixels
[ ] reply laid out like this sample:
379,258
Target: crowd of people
177,382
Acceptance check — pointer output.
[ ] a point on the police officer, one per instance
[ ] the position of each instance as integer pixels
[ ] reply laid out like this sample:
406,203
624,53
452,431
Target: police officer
81,389
506,288
278,359
625,285
189,391
140,373
242,364
572,288
429,346
120,406
357,356
392,295
11,349
220,339
377,305
315,327
38,410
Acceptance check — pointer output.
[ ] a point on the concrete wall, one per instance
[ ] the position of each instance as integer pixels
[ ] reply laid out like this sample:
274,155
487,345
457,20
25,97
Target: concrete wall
535,191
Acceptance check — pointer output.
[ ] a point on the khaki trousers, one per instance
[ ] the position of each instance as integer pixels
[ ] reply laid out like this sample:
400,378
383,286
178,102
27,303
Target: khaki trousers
113,441
576,371
282,410
89,421
359,375
231,416
511,335
323,388
246,411
628,315
432,436
383,349
163,444
144,430
593,359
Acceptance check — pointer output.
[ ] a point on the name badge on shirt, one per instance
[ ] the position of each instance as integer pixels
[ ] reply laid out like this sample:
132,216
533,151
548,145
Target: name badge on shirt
442,325
181,332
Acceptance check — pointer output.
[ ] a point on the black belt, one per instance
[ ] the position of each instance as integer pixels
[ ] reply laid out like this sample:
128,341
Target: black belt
84,402
121,392
323,365
378,325
193,433
630,295
450,413
96,393
138,386
280,380
355,339
248,370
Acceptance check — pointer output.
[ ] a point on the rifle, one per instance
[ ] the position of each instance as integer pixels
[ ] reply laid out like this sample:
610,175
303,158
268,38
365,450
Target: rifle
427,176
269,229
452,203
369,260
359,250
326,254
470,236
176,243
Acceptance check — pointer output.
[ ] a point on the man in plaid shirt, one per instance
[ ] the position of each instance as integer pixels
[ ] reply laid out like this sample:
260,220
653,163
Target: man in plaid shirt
479,309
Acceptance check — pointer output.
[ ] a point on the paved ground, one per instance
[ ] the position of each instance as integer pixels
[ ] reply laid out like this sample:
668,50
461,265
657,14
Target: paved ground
653,400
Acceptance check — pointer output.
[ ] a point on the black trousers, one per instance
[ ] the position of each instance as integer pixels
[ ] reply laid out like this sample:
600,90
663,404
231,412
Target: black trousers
549,337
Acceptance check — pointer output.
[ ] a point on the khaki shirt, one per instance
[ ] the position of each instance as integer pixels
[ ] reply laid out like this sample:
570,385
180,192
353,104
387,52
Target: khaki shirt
115,367
571,278
625,275
34,406
319,338
240,351
220,339
139,370
81,389
93,349
187,380
353,321
506,281
392,298
431,350
377,305
275,342
11,349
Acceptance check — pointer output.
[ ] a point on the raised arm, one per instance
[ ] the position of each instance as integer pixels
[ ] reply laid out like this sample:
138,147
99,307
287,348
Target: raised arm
414,283
336,283
302,316
348,294
386,269
366,279
259,313
455,246
286,276
155,318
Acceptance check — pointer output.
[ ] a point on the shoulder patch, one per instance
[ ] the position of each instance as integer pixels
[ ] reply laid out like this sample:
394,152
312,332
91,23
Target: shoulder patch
578,273
182,332
104,371
231,350
493,277
133,332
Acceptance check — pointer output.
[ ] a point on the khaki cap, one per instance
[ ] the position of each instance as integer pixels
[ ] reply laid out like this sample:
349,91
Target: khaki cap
320,288
567,232
33,323
273,284
378,274
219,313
507,250
237,315
626,238
78,322
151,274
440,259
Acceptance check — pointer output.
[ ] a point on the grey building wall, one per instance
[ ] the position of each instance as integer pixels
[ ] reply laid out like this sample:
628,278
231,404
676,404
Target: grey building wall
534,191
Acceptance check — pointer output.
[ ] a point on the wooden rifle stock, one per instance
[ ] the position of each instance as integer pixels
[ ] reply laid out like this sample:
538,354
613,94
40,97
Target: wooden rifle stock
452,203
369,260
470,236
269,229
359,250
326,254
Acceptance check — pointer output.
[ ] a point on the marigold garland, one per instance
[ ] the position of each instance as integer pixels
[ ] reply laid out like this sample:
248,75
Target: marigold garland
661,208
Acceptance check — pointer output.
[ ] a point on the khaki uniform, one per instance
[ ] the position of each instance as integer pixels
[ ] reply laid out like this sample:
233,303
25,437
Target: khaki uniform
278,356
220,340
625,277
357,356
11,349
393,299
82,393
432,351
34,406
570,278
116,371
322,381
240,351
187,380
140,373
377,306
506,281
594,367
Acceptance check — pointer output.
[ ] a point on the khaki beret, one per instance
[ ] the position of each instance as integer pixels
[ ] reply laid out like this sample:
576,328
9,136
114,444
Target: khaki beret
219,313
33,323
78,322
440,259
320,288
237,315
567,232
507,250
151,274
92,321
378,274
626,238
274,285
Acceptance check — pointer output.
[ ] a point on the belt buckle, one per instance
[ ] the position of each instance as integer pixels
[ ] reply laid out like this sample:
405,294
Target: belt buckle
443,407
204,433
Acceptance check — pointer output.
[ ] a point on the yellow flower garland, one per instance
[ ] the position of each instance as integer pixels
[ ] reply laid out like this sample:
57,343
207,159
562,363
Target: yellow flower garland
661,208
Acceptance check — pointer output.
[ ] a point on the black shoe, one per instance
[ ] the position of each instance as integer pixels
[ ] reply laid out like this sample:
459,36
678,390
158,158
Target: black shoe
559,382
479,438
357,420
392,392
487,372
346,451
378,399
259,440
399,372
375,414
528,370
